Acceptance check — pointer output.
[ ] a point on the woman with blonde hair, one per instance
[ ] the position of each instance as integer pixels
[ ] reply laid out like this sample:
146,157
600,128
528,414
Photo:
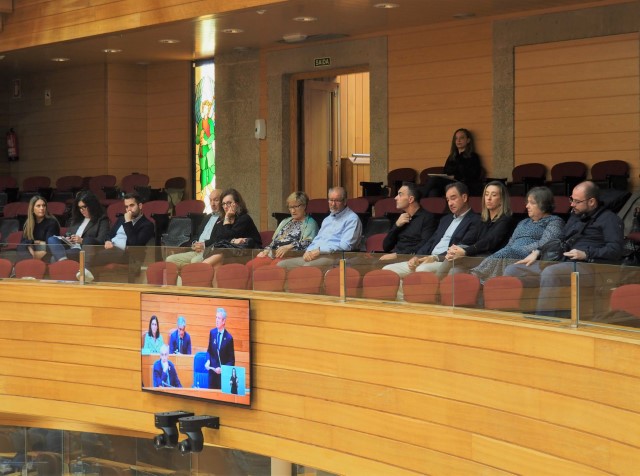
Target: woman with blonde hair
38,228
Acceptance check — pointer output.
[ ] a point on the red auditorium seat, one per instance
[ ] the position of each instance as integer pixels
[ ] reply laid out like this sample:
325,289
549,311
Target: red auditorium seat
232,276
332,282
304,280
197,274
269,278
421,287
459,289
380,284
502,293
30,268
65,270
162,273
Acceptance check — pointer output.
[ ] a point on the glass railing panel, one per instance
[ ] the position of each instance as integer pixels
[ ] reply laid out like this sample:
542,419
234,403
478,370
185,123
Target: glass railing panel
610,295
31,451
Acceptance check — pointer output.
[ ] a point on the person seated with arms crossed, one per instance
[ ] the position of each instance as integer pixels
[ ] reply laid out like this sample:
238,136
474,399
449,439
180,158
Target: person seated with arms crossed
493,232
39,227
234,229
180,340
153,339
294,233
340,231
459,227
164,372
530,234
592,234
89,226
131,229
196,255
412,228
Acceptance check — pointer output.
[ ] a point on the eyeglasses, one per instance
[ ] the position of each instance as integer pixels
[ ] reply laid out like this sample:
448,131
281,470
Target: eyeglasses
576,202
293,207
82,207
227,204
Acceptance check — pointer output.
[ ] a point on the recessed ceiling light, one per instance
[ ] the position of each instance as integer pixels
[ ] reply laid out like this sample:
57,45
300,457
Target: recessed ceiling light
386,5
232,30
464,16
261,12
294,37
168,41
305,19
111,50
60,59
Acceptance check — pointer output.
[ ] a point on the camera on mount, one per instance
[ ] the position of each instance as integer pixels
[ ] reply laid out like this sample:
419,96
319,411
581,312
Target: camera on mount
192,427
167,422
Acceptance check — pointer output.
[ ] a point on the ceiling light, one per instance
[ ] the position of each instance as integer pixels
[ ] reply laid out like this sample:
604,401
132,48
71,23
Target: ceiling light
168,41
60,60
386,5
305,19
111,50
232,30
261,12
2,57
464,16
294,37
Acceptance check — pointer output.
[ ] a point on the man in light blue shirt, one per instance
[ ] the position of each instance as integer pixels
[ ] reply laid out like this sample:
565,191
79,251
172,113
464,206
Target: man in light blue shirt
340,231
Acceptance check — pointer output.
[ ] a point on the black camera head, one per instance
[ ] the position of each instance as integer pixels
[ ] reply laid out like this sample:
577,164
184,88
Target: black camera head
192,427
167,422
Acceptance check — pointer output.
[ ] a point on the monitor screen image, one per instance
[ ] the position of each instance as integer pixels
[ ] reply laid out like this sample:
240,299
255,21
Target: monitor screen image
196,347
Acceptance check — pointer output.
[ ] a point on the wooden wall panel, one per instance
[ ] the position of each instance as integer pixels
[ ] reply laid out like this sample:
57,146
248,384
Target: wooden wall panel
440,79
451,391
578,100
354,114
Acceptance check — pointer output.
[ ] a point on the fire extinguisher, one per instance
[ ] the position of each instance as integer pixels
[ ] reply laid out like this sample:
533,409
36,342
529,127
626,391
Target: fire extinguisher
12,146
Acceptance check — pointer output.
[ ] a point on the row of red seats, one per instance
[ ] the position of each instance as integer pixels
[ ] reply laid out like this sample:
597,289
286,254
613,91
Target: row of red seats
65,270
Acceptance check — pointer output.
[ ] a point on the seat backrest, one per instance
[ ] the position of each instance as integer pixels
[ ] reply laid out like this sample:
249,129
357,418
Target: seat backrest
269,278
625,298
395,178
358,204
266,236
184,207
8,226
162,273
503,293
436,205
5,268
518,204
459,289
561,204
200,374
12,240
424,175
318,205
600,170
64,270
531,170
232,276
197,274
69,183
13,209
304,280
130,182
7,181
374,243
30,268
380,284
155,207
176,182
57,208
421,287
476,204
384,206
114,210
332,282
99,182
568,169
178,232
33,184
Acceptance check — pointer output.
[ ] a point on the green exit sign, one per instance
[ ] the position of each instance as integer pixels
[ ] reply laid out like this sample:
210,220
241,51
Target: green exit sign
322,62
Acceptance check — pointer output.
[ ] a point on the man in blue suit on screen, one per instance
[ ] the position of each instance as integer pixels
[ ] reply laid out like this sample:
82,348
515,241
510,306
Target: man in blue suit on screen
164,372
180,340
220,349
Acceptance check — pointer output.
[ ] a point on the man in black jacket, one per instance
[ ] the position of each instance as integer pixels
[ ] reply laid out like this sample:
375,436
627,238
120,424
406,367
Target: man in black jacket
131,229
593,234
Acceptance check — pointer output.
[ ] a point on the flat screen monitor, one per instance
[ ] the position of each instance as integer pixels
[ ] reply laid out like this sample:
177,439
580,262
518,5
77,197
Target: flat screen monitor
196,347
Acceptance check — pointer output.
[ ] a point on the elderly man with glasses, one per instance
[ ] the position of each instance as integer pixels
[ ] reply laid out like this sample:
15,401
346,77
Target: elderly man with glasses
340,231
593,234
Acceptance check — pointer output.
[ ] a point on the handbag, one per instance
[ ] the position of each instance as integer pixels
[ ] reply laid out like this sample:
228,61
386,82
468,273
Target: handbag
553,250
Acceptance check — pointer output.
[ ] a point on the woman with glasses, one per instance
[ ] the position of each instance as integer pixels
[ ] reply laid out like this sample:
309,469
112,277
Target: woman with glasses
89,226
234,228
39,227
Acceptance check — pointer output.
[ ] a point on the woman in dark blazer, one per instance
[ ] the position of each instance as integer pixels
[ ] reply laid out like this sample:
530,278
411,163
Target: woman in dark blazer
89,226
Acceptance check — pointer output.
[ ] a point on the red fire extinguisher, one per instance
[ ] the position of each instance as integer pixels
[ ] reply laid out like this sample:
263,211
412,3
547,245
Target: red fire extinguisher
12,145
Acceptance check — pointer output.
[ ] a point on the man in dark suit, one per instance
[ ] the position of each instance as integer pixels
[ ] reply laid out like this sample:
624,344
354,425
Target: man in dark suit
164,372
220,349
180,340
458,228
131,229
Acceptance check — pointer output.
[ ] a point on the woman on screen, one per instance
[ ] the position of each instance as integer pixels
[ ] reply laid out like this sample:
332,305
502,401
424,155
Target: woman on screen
152,339
234,381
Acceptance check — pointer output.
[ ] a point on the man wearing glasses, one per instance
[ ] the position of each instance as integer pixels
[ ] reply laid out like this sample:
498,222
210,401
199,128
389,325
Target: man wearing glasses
340,231
593,234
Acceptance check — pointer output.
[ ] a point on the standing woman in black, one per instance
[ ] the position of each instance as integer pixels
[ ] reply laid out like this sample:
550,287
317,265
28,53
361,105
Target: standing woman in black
462,165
